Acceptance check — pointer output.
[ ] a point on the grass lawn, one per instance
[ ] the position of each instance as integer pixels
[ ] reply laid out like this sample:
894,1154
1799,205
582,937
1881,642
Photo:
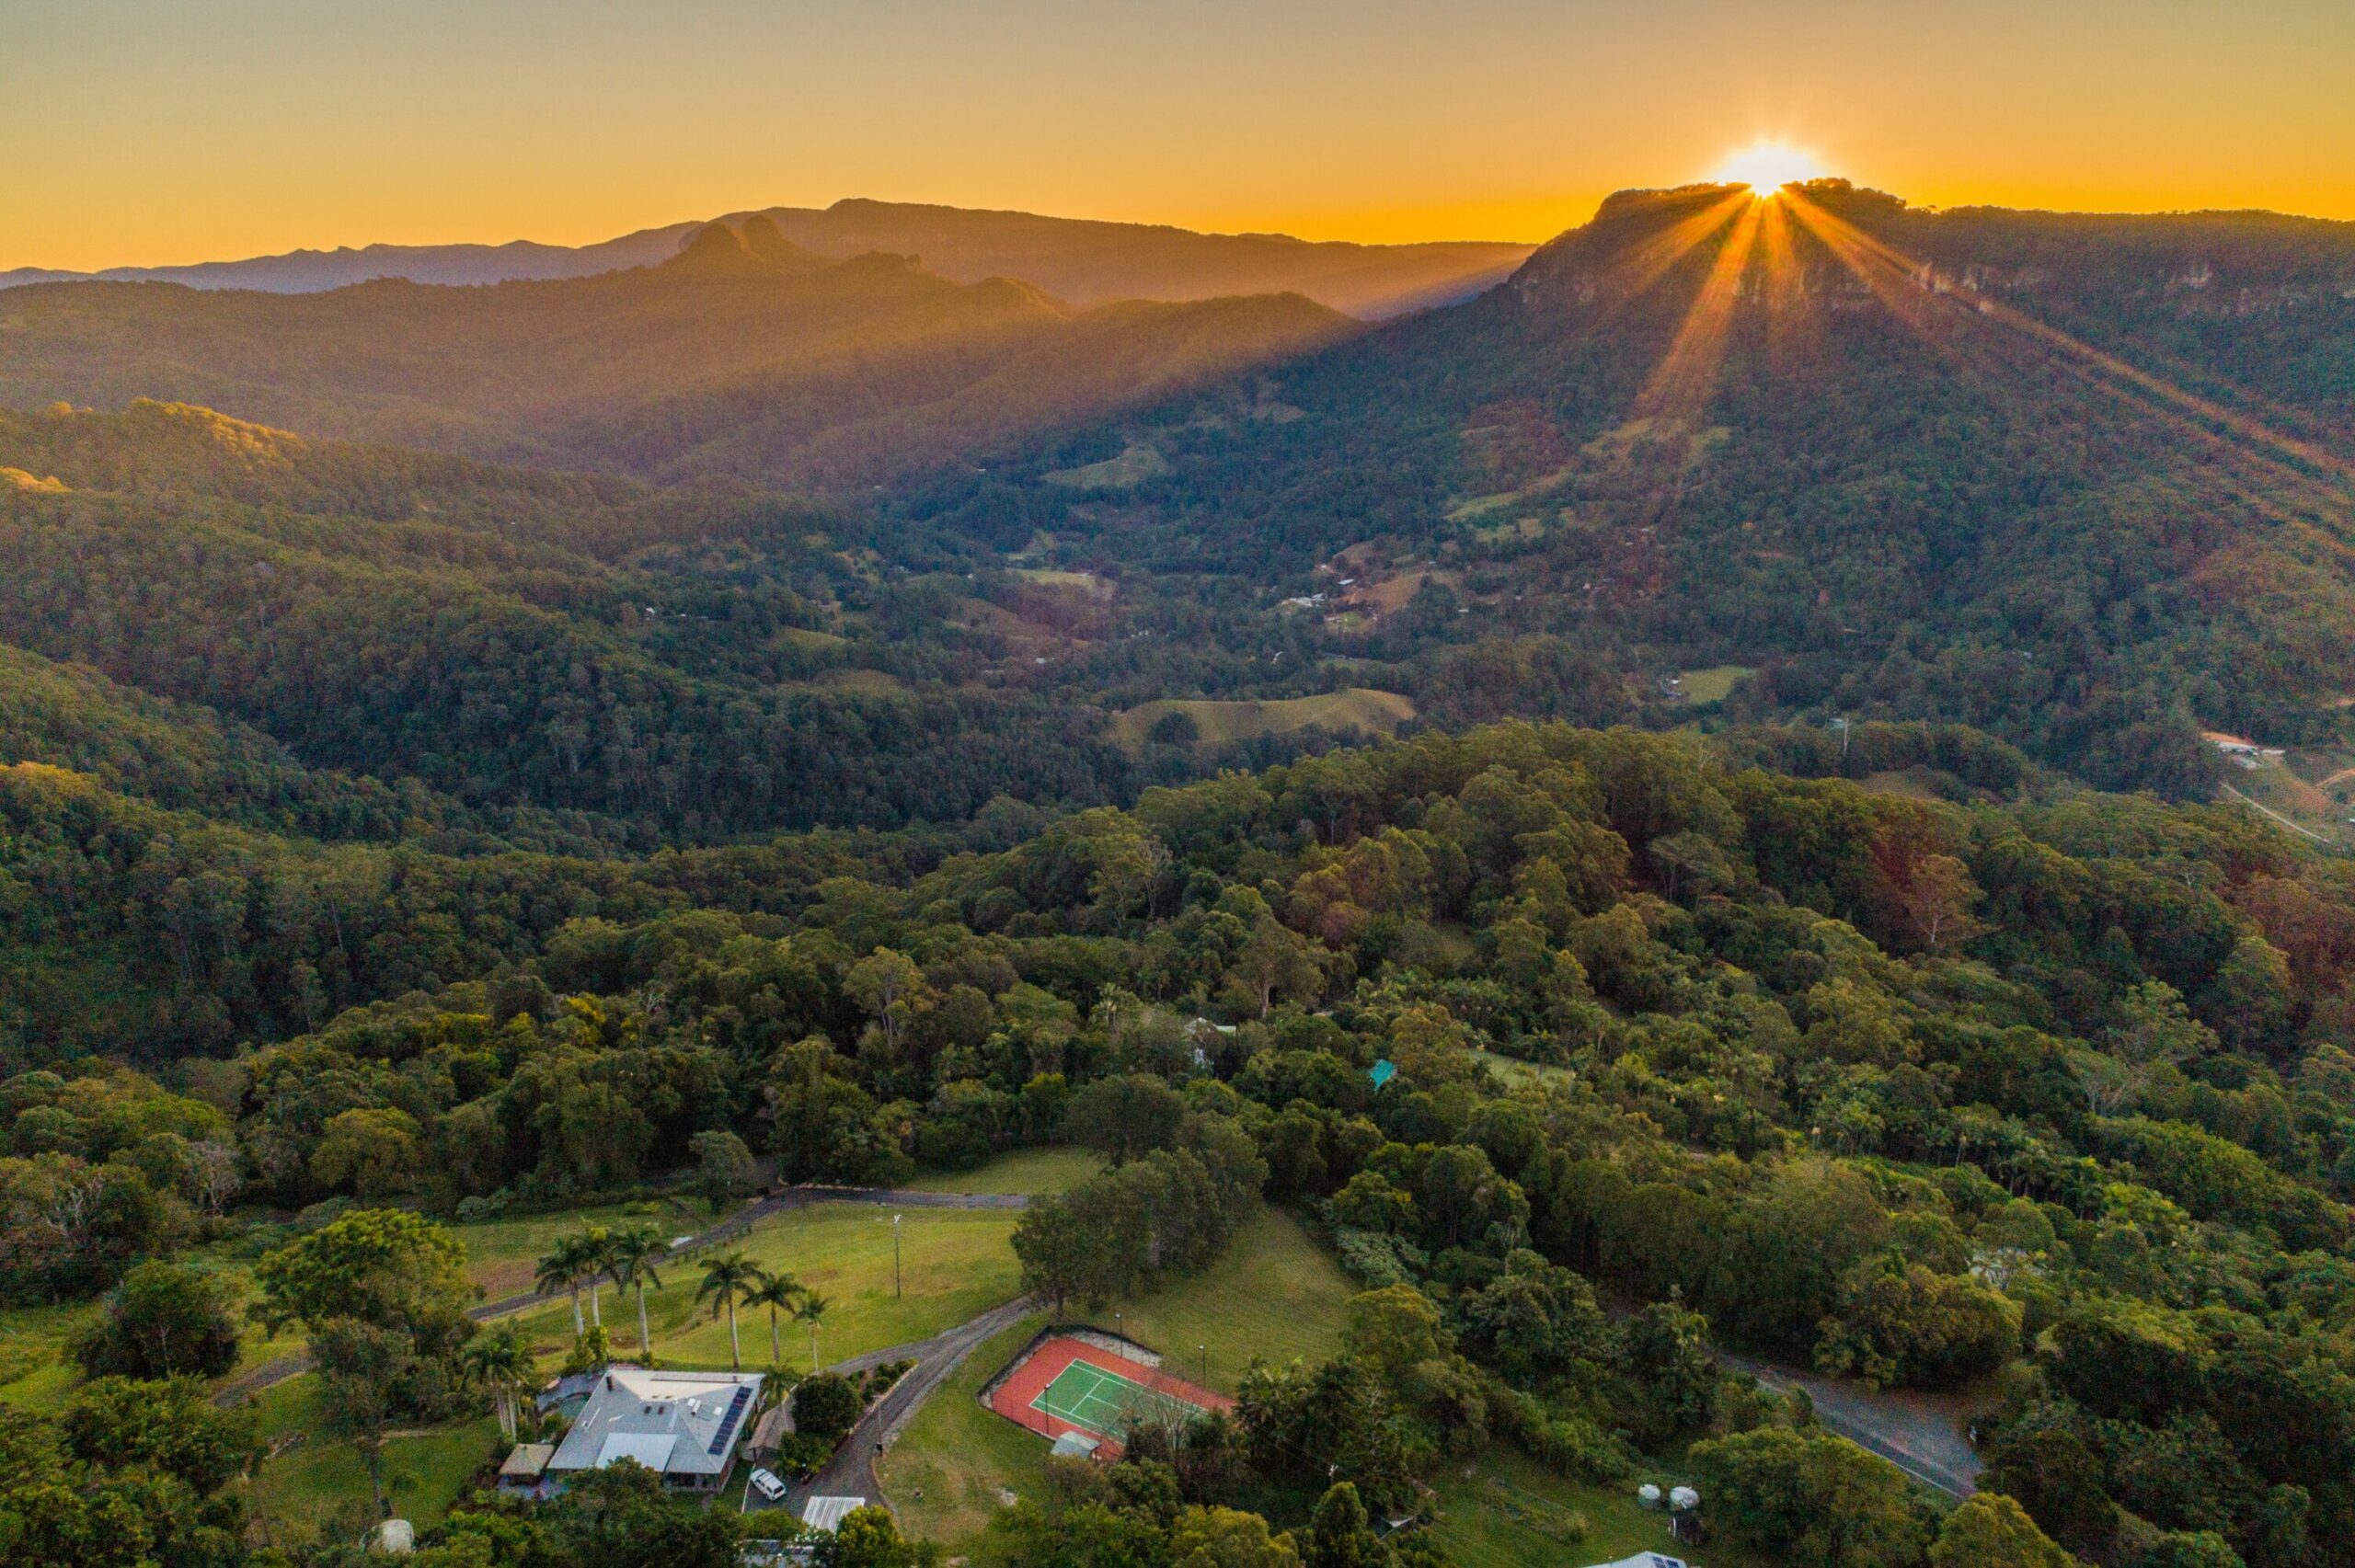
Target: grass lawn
1216,722
958,1264
1714,683
1516,1073
320,1490
1511,1511
34,1371
944,1472
1275,1294
1024,1171
502,1253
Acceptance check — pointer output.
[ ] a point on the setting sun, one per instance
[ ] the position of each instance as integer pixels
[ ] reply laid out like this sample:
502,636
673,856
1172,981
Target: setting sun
1767,166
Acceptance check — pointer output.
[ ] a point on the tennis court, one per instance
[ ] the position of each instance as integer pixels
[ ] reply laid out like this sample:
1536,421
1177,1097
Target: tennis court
1062,1384
1105,1405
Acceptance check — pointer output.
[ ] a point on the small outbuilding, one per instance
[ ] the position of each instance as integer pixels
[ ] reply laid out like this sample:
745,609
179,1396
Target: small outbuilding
524,1472
825,1513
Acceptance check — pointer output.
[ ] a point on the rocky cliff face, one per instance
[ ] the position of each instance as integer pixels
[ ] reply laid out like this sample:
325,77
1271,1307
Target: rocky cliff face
2215,265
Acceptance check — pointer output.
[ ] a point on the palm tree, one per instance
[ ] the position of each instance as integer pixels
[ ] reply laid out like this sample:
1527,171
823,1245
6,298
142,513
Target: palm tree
812,1311
563,1268
774,1292
596,1265
500,1363
726,1281
630,1259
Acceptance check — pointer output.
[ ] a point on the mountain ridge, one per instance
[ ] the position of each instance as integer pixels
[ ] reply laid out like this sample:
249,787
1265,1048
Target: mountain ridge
1162,262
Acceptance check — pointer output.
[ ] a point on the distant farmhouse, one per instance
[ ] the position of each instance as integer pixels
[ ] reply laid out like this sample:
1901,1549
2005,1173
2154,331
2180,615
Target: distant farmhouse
682,1426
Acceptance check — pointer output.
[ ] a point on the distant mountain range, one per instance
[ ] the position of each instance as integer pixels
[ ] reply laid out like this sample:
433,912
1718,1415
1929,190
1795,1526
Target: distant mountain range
1080,261
744,355
2087,482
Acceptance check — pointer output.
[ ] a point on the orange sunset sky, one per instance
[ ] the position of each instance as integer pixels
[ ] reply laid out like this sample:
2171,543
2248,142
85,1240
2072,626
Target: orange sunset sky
153,132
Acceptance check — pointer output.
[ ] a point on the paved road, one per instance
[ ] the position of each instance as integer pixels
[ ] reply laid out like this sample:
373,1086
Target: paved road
272,1373
851,1472
1920,1434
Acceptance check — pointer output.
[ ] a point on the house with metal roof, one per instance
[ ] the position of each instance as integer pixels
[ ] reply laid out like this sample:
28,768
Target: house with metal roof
684,1426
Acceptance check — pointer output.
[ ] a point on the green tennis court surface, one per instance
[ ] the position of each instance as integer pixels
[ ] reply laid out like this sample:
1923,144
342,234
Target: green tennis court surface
1105,1403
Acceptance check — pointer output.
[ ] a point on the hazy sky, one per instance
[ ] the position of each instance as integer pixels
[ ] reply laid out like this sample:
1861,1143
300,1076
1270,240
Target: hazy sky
146,131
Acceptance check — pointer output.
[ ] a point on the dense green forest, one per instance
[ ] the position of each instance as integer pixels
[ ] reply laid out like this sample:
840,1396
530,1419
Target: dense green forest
2033,1089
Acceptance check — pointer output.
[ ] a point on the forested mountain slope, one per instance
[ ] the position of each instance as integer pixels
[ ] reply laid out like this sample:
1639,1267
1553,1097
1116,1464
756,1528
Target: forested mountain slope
743,355
2086,481
1083,261
514,641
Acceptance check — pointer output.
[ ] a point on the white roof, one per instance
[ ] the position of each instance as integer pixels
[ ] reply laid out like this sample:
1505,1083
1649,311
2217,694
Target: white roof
675,1423
826,1512
1645,1560
651,1450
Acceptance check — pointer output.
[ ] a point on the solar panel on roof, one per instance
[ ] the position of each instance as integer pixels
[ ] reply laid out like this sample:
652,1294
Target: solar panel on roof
728,1422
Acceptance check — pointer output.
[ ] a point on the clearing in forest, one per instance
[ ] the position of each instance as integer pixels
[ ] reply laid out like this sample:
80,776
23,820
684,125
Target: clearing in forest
1217,722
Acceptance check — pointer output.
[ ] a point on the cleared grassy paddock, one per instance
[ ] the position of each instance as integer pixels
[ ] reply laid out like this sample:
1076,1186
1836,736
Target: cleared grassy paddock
503,1254
1218,723
1717,682
957,1265
36,1373
318,1490
1024,1171
1516,1073
1275,1294
1502,1510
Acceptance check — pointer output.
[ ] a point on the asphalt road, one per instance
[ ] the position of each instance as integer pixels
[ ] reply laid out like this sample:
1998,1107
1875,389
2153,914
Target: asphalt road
1920,1435
851,1471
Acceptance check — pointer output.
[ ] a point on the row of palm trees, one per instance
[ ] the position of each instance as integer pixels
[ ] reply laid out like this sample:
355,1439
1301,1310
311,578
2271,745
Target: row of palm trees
735,1278
628,1258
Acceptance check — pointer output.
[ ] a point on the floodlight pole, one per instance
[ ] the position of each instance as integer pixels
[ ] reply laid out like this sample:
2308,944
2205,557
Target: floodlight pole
895,1258
1206,1364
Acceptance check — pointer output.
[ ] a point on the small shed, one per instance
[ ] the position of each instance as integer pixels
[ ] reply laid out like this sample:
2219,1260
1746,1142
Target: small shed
822,1513
526,1467
1076,1445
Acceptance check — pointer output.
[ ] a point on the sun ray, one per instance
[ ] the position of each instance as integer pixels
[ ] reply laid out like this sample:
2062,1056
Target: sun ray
1679,384
1645,264
2260,480
1854,247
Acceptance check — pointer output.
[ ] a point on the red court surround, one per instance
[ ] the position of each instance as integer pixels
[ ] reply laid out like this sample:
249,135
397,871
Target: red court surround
1013,1395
